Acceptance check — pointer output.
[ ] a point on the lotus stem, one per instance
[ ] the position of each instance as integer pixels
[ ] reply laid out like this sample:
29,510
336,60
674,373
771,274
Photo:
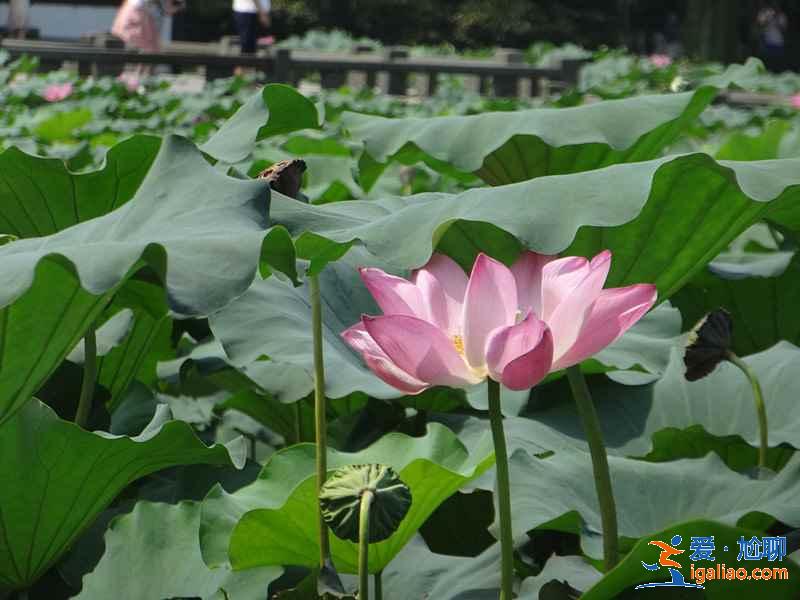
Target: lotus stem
252,445
298,425
602,476
89,377
761,408
377,579
503,492
319,412
363,544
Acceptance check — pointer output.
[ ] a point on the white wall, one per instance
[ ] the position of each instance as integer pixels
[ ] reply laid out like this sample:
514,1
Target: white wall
70,20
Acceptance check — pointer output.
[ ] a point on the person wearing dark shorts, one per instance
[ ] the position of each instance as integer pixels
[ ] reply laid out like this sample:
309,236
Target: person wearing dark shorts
248,14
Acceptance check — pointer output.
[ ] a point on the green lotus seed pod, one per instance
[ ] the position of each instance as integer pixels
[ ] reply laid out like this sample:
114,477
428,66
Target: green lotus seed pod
340,500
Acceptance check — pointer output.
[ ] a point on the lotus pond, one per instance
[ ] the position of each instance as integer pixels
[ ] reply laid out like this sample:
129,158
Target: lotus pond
452,348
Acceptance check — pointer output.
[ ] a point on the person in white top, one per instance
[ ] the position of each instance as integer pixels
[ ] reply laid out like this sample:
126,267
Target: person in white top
247,14
772,23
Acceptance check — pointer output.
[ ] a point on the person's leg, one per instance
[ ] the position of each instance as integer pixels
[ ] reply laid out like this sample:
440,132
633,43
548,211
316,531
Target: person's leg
246,26
250,37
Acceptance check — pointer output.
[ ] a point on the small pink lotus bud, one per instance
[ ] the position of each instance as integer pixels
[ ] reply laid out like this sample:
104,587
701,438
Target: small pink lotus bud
660,61
56,92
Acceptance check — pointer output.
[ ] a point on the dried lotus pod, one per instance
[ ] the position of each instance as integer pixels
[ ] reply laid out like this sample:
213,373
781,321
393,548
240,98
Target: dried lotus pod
285,176
709,343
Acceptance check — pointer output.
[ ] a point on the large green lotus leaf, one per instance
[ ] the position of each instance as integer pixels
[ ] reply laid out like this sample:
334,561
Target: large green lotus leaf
330,179
275,110
200,229
62,125
507,147
283,310
294,422
131,342
750,75
722,404
649,496
42,327
55,478
147,340
184,206
271,522
40,196
154,552
741,145
419,573
629,572
762,293
663,219
575,571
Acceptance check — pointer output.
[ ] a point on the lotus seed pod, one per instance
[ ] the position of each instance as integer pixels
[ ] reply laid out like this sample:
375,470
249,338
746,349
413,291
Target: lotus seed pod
340,499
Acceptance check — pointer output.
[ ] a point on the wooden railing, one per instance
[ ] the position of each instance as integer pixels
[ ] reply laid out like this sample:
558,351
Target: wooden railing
104,55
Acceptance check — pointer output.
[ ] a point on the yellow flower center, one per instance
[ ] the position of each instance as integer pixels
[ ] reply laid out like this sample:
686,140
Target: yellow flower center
458,342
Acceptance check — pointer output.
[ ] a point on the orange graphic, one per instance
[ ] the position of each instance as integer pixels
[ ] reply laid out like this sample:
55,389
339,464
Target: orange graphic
666,551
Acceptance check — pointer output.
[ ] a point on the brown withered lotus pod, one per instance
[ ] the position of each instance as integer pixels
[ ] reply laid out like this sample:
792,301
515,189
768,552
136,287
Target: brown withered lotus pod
285,176
709,343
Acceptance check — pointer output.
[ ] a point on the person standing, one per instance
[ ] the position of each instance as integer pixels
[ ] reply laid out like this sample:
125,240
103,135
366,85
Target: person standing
138,22
772,23
136,25
18,17
248,14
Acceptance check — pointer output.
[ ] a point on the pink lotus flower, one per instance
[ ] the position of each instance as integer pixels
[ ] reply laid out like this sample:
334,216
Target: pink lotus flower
131,81
660,61
514,325
56,92
796,101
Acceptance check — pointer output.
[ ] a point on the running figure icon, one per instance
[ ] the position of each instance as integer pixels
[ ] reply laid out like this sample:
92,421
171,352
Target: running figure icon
664,560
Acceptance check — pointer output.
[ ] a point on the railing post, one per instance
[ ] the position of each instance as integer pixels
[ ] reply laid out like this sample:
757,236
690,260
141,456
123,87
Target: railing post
283,66
508,85
432,83
106,41
333,78
370,77
571,70
227,46
398,80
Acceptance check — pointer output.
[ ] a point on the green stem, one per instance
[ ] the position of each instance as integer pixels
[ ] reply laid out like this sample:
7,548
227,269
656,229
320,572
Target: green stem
89,376
775,237
298,425
363,544
252,440
319,412
377,579
503,492
761,408
602,476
